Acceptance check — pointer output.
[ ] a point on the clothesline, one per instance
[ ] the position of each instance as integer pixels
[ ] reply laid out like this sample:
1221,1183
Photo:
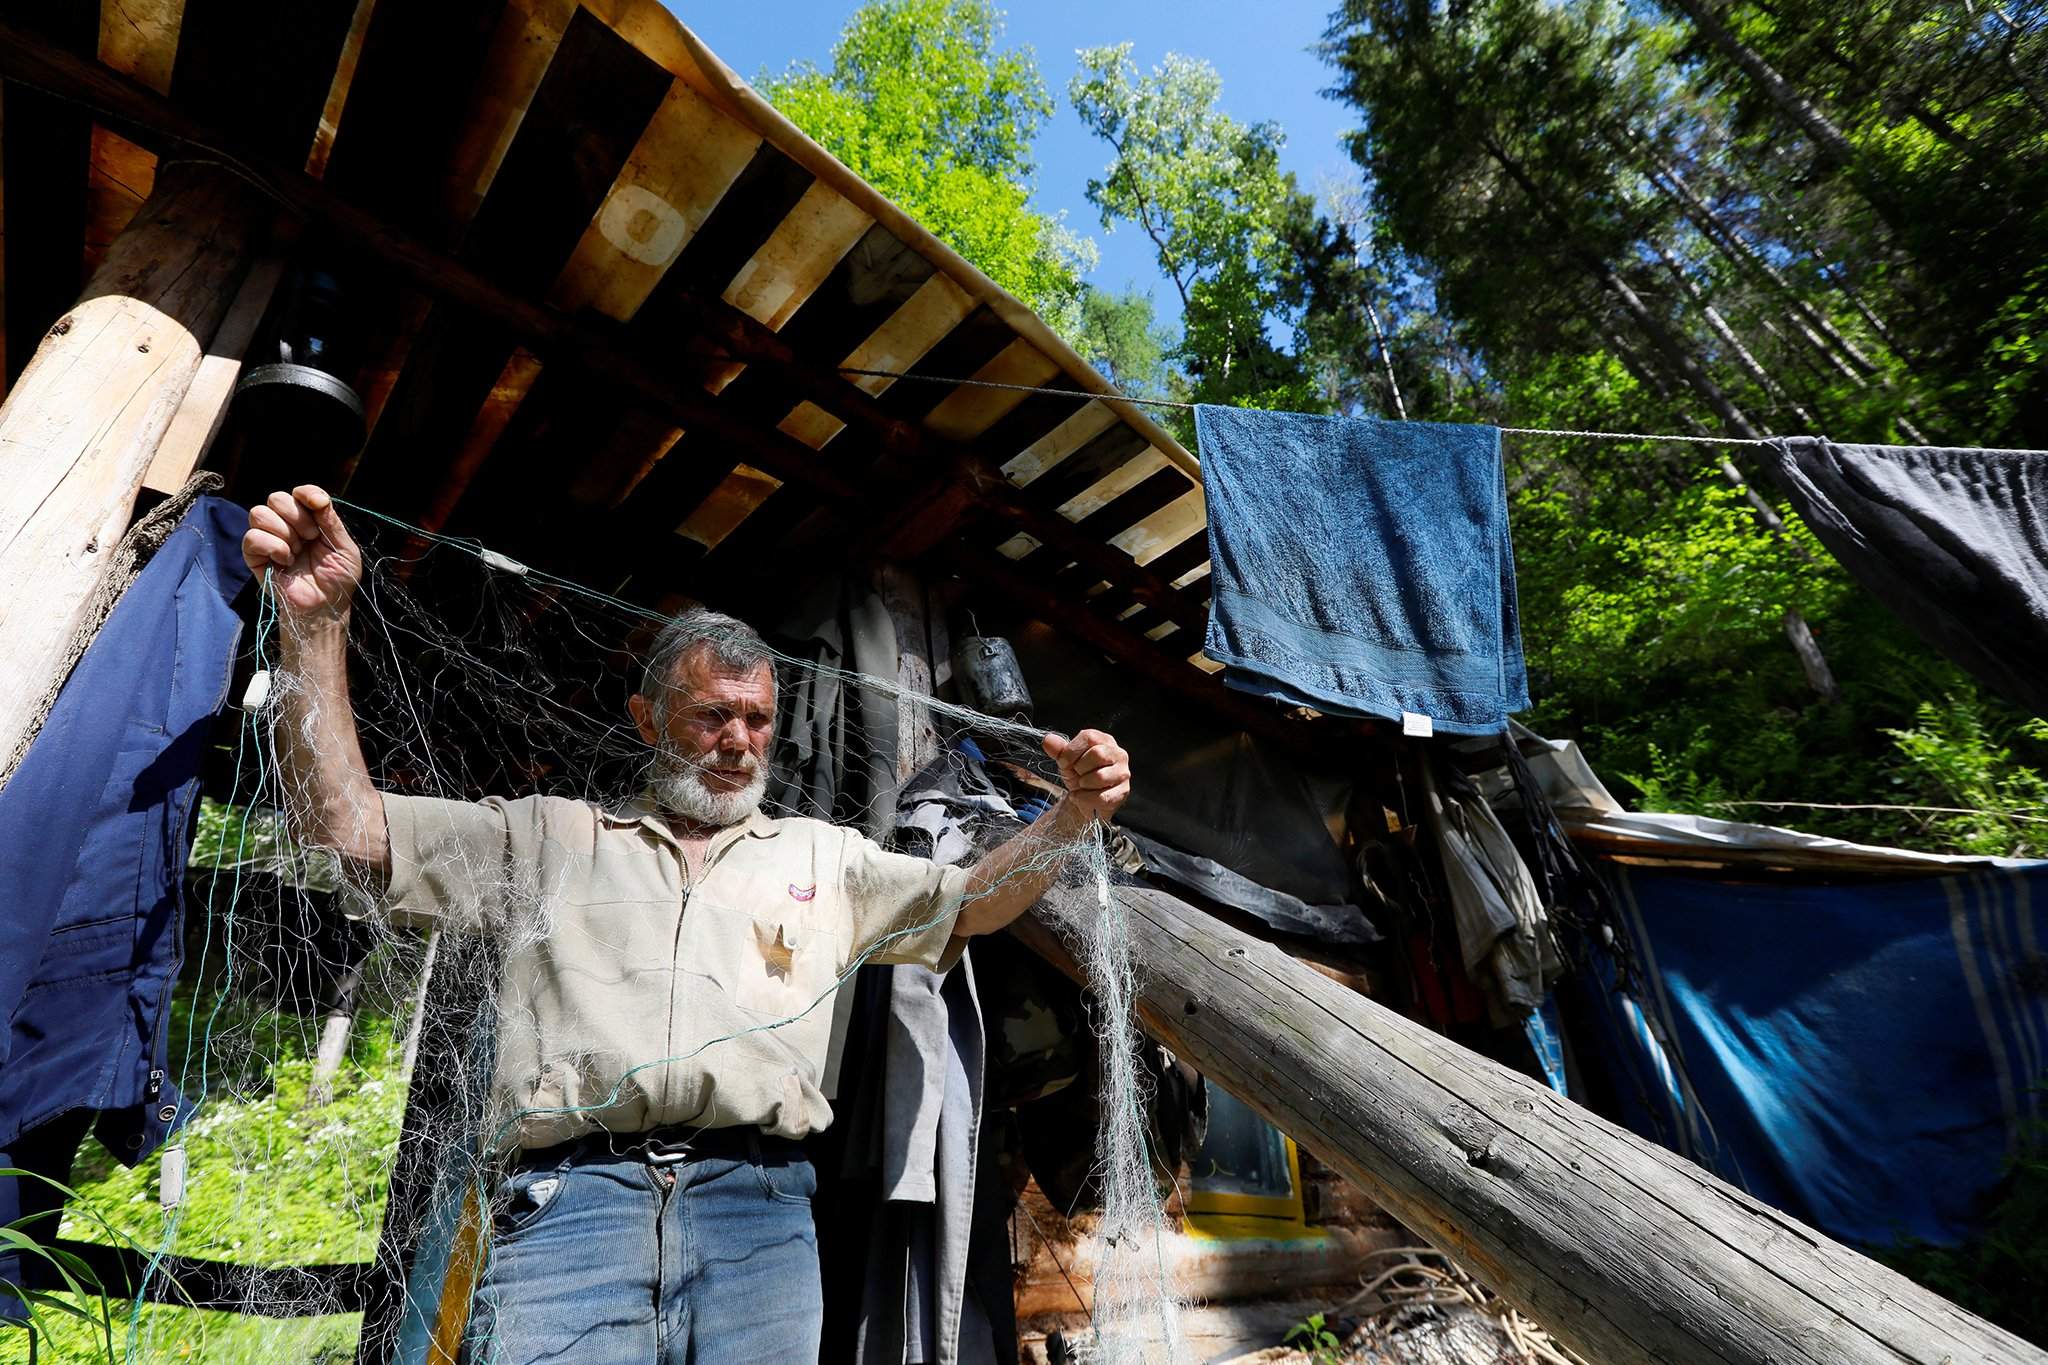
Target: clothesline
1190,407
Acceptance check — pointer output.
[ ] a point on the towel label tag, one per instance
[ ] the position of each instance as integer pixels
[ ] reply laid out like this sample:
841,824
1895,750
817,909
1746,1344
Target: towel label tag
1416,727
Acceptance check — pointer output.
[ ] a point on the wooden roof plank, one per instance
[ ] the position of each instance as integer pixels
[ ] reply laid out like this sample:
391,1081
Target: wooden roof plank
262,68
968,410
1109,451
688,156
758,199
974,341
587,115
867,291
408,106
797,257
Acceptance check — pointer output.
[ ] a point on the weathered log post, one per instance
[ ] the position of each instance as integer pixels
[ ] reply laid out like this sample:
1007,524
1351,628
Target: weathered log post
79,428
1626,1252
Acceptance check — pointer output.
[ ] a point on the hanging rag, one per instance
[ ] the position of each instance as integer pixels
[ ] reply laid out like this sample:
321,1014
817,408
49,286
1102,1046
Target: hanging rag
1504,930
1954,541
1362,567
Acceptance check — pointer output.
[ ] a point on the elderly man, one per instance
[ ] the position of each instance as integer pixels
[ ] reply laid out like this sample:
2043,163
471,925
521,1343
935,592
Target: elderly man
662,1025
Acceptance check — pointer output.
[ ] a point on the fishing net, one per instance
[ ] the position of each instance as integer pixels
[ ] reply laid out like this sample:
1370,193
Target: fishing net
338,1067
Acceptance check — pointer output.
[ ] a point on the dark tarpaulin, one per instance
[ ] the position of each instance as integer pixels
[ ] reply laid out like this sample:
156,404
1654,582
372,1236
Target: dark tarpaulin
1954,541
1206,877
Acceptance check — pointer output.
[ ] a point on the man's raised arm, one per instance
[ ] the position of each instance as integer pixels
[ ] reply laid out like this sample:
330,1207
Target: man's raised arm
310,565
1097,775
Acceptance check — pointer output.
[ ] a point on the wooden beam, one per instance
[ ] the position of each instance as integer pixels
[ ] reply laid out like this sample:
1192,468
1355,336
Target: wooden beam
596,349
84,421
1623,1250
152,121
205,408
921,451
1150,661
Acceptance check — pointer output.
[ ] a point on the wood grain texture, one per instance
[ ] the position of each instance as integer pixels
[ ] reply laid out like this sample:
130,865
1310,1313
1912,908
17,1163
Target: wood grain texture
1623,1250
82,424
205,406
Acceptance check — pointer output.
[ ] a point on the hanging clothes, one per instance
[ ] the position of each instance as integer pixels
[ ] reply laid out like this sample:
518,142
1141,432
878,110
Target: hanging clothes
95,828
1362,567
1504,930
1954,541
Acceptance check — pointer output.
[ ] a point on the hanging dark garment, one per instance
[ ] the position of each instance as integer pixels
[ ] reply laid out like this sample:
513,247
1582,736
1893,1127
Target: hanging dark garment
1954,541
95,828
835,748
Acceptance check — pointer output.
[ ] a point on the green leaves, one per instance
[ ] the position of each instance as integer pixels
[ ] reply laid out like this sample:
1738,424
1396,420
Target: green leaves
1208,191
922,103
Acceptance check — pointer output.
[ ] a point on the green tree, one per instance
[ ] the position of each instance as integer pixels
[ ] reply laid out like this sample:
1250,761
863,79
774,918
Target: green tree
1120,335
1209,193
923,103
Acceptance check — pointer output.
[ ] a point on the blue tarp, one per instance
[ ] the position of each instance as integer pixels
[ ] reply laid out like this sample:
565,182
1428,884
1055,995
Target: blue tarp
1865,1057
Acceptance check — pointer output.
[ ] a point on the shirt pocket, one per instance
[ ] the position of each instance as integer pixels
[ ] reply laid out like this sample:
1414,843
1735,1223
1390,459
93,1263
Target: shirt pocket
783,967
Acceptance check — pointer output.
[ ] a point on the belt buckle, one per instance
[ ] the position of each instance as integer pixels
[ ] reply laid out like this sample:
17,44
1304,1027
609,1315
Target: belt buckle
667,1154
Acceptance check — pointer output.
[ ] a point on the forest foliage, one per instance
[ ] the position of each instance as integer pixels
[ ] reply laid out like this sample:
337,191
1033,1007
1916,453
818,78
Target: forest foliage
1744,219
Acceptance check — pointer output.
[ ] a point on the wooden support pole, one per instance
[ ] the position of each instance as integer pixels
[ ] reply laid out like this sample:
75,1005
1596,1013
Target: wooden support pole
82,424
1623,1250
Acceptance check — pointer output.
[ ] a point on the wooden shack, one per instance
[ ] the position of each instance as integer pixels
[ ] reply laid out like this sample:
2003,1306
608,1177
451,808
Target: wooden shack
605,310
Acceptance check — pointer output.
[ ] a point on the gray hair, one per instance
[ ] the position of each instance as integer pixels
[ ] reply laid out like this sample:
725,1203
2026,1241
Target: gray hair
730,641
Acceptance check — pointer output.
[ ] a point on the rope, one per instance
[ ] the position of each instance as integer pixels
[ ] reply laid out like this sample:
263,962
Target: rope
1190,407
1112,397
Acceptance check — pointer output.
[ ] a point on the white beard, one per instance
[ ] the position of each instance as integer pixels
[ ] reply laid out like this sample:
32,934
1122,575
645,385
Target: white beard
680,789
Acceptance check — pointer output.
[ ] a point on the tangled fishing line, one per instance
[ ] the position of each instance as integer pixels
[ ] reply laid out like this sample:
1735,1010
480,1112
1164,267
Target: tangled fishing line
472,676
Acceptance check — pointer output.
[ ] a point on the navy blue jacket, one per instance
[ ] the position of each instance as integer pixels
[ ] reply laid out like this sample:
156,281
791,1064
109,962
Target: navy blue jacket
95,827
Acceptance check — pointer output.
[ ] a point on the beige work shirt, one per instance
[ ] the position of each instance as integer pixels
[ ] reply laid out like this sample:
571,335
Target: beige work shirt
628,998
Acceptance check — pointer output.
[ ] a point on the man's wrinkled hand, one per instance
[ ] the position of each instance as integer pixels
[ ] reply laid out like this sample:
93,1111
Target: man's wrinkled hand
297,545
1095,771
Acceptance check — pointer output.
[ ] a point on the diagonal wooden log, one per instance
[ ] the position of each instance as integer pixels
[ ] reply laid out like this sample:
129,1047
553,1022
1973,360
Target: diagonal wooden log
1623,1250
81,425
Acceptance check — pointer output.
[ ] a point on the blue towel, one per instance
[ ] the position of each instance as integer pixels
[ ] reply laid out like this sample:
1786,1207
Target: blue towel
1362,567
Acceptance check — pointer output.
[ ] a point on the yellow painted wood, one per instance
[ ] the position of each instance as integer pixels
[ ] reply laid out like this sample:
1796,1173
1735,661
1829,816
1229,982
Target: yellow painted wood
923,320
968,411
1134,471
681,168
1216,1214
458,1284
1063,440
797,256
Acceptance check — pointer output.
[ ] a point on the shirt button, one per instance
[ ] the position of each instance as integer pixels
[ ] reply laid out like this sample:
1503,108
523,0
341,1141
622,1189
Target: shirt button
167,1113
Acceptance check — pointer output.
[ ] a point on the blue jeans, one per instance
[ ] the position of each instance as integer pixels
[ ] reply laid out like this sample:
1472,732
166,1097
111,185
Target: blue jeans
603,1259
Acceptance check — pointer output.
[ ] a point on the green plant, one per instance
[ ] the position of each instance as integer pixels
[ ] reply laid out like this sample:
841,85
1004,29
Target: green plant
1313,1335
1960,755
83,1297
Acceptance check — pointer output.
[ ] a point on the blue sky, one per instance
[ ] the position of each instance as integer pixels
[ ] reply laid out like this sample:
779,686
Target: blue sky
1261,48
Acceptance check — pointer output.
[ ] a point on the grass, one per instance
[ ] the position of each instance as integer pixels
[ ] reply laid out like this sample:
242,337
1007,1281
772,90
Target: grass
271,1180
